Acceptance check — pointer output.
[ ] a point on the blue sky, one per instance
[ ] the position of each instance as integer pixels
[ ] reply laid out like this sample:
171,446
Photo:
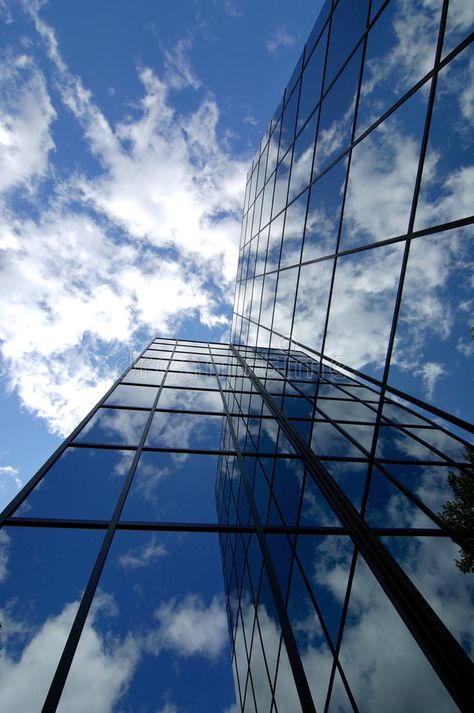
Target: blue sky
126,132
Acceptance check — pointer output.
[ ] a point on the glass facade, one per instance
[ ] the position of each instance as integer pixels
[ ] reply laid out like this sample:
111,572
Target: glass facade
297,502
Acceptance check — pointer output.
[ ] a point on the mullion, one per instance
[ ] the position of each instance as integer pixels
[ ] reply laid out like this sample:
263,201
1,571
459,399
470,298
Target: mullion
286,629
403,269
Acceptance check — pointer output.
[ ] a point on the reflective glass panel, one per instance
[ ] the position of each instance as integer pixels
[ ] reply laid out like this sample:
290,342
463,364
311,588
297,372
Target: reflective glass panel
139,396
382,176
311,303
141,376
190,400
156,637
172,487
182,430
324,212
362,307
117,426
390,678
44,573
84,483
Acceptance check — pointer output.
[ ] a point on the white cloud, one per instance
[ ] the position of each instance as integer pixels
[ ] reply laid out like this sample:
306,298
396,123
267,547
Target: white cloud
149,240
26,116
98,677
430,373
279,39
190,628
139,557
180,73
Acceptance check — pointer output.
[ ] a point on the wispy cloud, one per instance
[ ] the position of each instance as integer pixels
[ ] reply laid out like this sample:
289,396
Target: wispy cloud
280,39
86,270
139,557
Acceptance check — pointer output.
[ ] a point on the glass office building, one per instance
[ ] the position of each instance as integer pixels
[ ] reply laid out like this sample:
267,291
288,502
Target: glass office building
318,469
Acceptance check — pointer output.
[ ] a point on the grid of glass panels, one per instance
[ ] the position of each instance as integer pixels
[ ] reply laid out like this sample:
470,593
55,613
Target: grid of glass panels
357,233
306,592
344,500
111,589
356,243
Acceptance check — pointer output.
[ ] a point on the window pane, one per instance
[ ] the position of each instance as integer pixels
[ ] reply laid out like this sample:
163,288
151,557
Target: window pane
84,483
43,576
173,487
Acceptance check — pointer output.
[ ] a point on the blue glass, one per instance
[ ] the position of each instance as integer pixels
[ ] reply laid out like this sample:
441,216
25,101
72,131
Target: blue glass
142,376
268,298
326,562
324,212
287,488
43,575
182,430
139,396
158,364
267,202
399,445
268,625
281,553
395,413
189,400
312,80
400,51
429,483
351,477
274,243
339,700
281,184
196,380
348,23
447,185
312,644
157,354
337,116
303,158
382,176
285,300
389,678
362,306
293,231
315,510
261,492
286,695
433,565
84,484
289,122
329,441
171,487
387,506
273,151
311,303
340,410
297,407
114,426
156,635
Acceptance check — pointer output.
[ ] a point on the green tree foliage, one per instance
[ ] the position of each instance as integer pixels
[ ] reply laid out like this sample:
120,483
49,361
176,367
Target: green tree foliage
459,513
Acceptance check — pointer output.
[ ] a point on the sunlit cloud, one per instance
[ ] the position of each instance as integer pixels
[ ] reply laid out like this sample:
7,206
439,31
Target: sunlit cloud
139,557
279,39
190,628
87,270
